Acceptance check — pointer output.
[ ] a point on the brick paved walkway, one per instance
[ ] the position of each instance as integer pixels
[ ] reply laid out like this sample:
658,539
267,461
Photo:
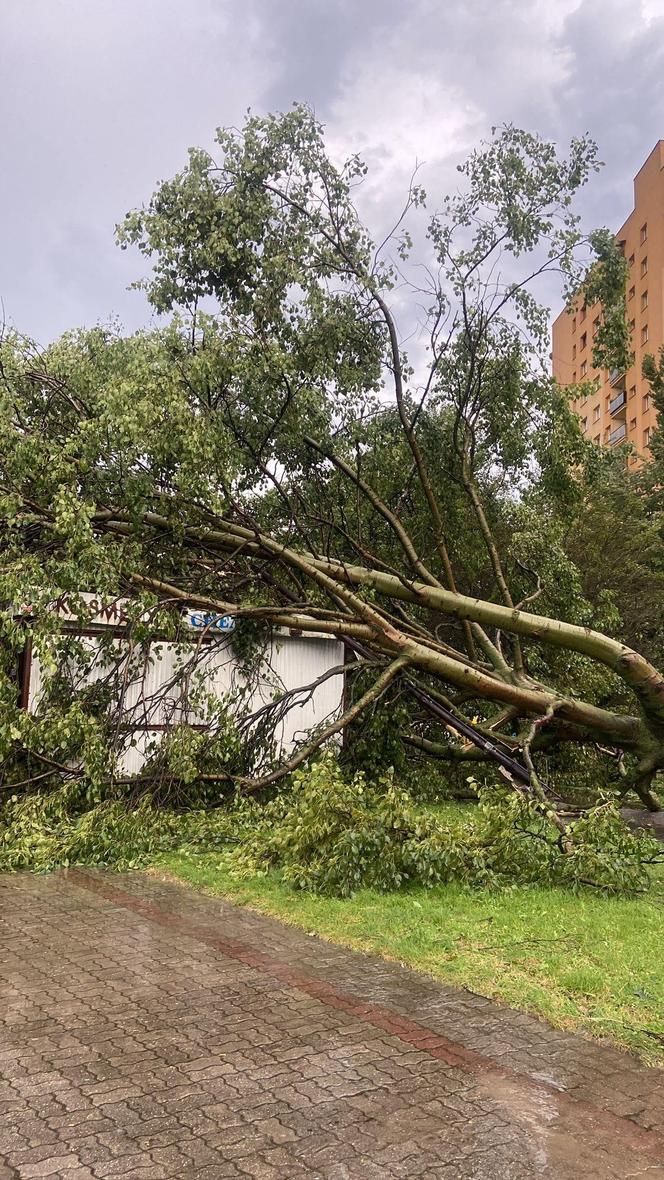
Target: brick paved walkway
149,1032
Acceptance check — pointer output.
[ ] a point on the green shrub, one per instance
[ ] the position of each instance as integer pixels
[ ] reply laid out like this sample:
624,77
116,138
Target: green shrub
336,835
42,832
526,847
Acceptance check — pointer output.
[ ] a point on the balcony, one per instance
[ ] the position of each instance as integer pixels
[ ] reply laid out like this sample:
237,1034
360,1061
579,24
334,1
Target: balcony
618,435
616,377
618,403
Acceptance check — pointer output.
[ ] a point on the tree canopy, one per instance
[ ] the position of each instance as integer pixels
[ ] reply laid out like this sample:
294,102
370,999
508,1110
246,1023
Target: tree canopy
337,436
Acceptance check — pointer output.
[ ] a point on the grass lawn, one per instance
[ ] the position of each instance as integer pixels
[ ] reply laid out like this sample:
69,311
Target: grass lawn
587,963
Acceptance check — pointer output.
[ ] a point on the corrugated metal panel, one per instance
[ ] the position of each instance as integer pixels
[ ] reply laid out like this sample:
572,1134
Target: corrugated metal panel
298,662
291,662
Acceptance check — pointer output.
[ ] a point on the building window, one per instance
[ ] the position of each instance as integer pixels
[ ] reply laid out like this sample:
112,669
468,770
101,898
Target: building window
632,391
644,334
584,339
595,325
631,325
584,424
630,260
632,423
596,439
584,311
574,352
644,232
644,301
646,403
584,368
631,293
644,266
574,324
647,435
597,414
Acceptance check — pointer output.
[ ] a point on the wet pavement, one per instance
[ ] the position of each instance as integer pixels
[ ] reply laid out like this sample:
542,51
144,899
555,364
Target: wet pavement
150,1032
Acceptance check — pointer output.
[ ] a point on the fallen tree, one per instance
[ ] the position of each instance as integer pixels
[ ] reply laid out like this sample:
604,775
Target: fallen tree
273,455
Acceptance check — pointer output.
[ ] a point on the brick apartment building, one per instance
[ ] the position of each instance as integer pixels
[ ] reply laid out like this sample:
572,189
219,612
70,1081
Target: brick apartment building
620,409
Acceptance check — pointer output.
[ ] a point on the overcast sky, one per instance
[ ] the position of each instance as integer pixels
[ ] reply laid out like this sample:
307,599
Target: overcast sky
101,98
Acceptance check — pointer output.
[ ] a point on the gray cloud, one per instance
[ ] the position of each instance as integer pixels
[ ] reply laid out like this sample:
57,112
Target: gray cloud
313,39
616,67
100,100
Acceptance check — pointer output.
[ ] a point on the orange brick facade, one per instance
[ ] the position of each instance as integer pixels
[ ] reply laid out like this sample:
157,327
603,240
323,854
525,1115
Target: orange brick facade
620,409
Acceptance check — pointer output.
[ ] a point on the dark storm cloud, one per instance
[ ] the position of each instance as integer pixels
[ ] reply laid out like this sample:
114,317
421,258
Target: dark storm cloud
313,39
616,92
101,99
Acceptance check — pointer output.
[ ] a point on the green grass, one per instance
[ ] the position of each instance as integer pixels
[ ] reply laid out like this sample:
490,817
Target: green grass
587,963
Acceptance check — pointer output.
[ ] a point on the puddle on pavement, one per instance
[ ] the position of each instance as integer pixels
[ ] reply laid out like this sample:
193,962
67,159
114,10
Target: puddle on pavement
568,1139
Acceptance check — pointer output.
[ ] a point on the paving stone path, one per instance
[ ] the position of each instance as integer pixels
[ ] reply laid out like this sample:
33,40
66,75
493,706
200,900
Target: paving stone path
150,1032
